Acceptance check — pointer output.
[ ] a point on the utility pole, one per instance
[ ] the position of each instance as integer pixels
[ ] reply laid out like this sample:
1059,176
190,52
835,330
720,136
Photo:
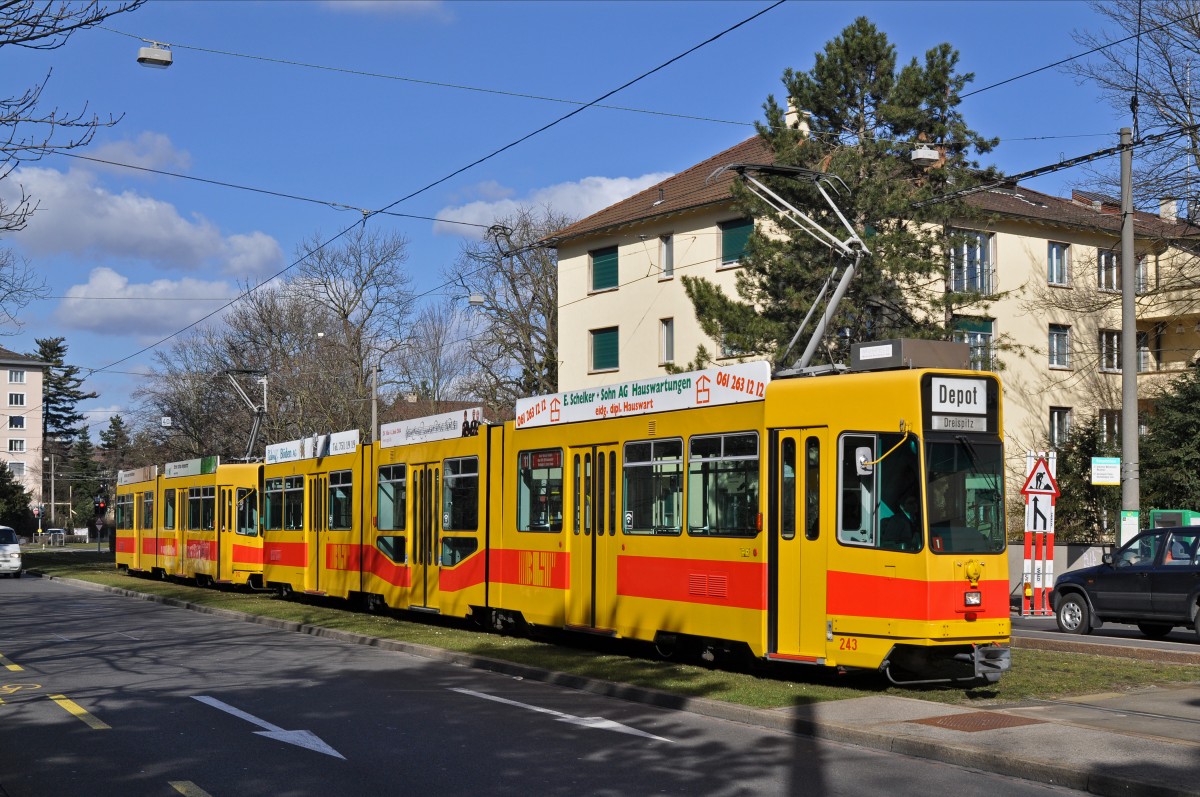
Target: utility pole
1130,488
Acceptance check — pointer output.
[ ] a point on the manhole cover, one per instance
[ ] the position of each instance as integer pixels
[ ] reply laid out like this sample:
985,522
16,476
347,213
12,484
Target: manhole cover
977,721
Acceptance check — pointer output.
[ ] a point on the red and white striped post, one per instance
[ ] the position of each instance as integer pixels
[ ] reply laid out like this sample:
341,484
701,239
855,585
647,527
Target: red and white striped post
1041,493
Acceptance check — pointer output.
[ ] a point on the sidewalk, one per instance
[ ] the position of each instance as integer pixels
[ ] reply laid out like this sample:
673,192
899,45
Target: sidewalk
1128,744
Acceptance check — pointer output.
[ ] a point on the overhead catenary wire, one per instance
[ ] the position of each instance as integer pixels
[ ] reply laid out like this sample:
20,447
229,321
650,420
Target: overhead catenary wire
453,174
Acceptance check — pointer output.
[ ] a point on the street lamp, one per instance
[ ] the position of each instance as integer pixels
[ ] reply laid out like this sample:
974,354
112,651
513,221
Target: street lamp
50,459
157,56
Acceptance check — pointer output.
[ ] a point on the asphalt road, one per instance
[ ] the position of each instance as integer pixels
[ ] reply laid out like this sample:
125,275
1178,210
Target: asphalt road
105,695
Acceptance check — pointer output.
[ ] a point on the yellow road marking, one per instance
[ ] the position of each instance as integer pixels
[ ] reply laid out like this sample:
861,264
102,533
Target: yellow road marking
8,665
8,689
76,709
188,789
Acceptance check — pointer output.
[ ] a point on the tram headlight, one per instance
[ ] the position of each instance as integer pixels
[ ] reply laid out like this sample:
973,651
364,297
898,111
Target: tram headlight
973,599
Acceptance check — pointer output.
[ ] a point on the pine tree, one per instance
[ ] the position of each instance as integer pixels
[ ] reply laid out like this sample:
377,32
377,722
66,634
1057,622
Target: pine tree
88,480
1170,450
116,445
864,117
1085,512
62,423
15,504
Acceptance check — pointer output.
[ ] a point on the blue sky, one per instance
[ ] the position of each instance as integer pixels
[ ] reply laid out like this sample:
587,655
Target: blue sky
132,257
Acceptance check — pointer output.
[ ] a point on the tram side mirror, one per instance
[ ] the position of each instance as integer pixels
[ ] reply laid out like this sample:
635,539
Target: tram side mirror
863,457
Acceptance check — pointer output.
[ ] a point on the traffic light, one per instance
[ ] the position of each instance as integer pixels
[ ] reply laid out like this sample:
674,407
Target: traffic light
100,505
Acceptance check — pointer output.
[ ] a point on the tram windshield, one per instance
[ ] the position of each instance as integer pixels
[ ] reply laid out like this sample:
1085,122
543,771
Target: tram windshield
965,492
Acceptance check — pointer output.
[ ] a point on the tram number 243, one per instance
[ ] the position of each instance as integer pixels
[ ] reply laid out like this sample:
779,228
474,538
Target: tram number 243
847,643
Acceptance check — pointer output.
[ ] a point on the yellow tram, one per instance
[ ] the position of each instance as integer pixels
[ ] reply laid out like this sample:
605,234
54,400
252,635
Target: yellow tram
844,520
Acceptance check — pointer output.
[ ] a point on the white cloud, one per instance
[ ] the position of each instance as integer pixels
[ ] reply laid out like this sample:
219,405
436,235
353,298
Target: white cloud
77,216
435,9
109,304
578,199
149,150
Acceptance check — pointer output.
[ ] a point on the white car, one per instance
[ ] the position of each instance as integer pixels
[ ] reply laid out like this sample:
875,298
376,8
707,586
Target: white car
10,553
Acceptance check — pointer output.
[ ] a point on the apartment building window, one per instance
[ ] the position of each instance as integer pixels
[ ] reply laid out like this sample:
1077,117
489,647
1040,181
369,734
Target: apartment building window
666,256
1108,272
971,269
734,236
16,446
666,341
16,421
1060,425
1060,346
605,351
16,399
604,269
977,333
1145,359
1058,259
1110,350
16,377
16,468
1110,426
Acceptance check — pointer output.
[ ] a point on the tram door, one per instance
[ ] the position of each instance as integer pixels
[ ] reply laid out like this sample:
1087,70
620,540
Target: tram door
796,602
593,536
226,527
314,535
426,484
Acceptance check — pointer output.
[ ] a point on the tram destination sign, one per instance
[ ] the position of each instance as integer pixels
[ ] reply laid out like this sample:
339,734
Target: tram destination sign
734,384
958,404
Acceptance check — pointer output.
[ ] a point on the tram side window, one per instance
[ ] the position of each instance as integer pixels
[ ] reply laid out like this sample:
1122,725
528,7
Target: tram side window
812,488
393,548
460,495
293,503
341,500
202,509
168,510
273,505
654,487
123,512
879,492
456,549
247,512
148,509
392,501
723,485
539,490
787,490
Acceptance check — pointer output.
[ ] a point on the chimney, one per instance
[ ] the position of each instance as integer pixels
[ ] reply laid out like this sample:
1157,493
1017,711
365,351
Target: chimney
1168,210
796,119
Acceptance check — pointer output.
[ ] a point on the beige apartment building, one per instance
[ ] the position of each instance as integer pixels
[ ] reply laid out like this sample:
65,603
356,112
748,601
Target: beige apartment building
1051,266
23,379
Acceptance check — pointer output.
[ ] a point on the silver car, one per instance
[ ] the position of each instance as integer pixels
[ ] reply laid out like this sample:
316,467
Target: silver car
10,553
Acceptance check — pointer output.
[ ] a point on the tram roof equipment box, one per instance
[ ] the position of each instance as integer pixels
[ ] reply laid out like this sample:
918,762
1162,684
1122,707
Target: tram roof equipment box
883,355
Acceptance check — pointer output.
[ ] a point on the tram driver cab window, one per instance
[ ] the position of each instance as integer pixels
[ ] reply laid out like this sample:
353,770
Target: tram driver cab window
879,492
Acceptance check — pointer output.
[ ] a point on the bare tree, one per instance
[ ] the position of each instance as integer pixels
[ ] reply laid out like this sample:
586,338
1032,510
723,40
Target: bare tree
315,339
360,283
438,362
27,132
1148,67
515,274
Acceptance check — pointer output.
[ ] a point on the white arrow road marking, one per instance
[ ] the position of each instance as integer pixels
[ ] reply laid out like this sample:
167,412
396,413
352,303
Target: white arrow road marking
587,722
305,739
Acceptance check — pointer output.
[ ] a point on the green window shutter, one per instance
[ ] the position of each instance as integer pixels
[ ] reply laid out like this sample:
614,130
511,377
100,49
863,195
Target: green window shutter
605,351
734,235
604,269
